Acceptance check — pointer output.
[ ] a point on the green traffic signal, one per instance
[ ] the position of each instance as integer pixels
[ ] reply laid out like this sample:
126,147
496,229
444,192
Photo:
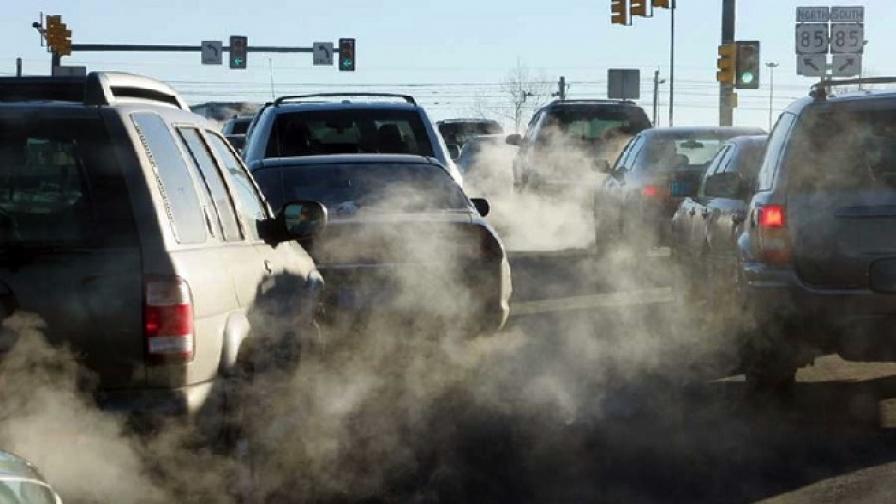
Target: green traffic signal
747,65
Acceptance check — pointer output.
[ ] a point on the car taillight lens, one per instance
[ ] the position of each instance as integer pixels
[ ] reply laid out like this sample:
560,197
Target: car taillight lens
168,320
774,238
650,191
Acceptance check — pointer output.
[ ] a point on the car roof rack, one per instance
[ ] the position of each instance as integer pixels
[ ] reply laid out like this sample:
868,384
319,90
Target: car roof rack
283,99
821,89
596,100
96,88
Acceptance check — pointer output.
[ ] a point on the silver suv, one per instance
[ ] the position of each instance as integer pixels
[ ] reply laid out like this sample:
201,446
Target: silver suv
132,229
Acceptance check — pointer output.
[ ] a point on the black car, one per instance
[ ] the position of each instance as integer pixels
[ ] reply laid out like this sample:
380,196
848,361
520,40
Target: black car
402,237
566,140
657,169
817,256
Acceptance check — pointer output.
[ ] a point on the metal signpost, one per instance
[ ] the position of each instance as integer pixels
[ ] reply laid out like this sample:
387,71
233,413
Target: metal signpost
839,31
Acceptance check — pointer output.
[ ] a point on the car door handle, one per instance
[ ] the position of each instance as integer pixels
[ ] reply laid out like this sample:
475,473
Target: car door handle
268,267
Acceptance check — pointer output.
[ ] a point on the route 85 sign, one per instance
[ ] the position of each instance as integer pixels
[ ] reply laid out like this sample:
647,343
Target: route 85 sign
812,38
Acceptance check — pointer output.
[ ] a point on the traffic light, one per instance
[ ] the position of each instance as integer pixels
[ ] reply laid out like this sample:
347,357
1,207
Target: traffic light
748,63
58,36
346,55
639,7
619,12
239,50
661,4
726,63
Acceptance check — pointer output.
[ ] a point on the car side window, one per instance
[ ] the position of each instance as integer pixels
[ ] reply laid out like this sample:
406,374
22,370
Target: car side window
632,158
175,183
213,181
250,206
717,165
776,142
532,129
620,160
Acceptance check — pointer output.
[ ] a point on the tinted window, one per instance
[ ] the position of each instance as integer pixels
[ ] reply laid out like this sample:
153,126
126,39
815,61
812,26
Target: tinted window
349,131
776,143
249,205
181,203
843,150
717,165
591,124
385,187
59,183
749,158
213,182
662,153
460,133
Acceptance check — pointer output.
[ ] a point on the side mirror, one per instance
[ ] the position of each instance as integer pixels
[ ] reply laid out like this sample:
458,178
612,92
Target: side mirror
300,220
481,205
453,151
514,139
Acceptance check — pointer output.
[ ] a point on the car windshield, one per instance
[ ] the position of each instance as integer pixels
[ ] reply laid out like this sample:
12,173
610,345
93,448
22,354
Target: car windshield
349,131
837,149
385,187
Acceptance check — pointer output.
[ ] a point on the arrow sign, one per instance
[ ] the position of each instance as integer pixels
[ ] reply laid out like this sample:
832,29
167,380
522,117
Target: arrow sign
811,65
322,53
212,52
847,65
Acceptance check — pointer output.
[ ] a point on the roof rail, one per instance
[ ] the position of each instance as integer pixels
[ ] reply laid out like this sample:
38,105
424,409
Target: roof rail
283,99
595,100
97,88
820,90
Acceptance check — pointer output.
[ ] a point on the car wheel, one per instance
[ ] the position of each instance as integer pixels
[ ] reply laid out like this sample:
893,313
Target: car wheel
769,361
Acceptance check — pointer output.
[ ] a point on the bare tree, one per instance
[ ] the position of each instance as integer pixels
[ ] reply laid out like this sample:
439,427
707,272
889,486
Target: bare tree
524,92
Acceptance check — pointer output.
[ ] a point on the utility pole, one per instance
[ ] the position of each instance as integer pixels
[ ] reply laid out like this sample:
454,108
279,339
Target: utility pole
771,93
18,67
656,93
561,92
726,91
672,65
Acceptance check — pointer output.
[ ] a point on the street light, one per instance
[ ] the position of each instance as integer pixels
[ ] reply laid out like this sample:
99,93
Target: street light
771,93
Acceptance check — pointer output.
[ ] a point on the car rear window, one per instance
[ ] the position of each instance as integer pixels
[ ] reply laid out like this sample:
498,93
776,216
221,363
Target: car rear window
838,149
388,187
459,133
592,124
351,131
678,153
59,184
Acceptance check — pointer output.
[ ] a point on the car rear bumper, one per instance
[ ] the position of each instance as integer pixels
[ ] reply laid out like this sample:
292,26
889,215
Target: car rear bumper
478,299
835,319
153,402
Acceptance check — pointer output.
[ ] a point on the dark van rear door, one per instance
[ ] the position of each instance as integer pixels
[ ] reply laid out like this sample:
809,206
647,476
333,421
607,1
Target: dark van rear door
841,201
68,249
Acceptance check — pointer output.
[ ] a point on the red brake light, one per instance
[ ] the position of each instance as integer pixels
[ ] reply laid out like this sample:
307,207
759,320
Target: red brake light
649,191
774,239
168,320
772,216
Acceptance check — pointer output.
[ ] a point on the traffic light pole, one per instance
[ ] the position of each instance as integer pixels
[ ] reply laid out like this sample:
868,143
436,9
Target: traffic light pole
672,65
726,91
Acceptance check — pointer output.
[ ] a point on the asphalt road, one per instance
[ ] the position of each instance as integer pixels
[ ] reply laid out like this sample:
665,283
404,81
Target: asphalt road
662,429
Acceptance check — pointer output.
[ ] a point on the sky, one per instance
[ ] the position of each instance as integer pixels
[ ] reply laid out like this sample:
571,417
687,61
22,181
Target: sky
451,55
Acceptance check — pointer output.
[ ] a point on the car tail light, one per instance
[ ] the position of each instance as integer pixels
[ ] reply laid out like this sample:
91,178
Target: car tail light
650,191
774,238
168,320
